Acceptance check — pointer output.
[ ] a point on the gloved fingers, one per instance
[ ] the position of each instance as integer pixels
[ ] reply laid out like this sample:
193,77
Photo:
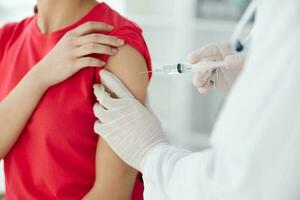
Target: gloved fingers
106,116
208,52
101,129
104,98
204,89
108,128
100,92
217,78
201,78
114,84
226,48
211,52
225,78
101,113
194,57
210,82
235,61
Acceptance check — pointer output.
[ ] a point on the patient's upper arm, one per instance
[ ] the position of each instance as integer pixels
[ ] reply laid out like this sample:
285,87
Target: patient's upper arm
127,65
113,176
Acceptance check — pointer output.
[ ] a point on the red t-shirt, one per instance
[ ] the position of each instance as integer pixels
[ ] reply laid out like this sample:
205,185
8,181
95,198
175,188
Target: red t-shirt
54,158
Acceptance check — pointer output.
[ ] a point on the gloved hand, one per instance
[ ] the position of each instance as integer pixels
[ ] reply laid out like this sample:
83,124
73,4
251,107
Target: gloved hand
221,78
124,123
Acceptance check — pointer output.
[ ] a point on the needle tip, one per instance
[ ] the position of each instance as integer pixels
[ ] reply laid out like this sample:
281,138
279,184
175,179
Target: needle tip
145,72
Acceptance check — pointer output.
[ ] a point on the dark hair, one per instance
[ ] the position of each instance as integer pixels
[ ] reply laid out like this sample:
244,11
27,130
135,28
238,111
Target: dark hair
35,9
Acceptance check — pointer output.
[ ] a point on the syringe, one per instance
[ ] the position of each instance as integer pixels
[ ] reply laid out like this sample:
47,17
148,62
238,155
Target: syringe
184,68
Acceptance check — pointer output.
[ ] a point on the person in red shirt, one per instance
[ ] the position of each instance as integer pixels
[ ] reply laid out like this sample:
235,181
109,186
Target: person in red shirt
48,65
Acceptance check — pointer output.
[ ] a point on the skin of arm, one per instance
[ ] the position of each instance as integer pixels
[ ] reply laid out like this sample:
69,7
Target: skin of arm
114,178
30,91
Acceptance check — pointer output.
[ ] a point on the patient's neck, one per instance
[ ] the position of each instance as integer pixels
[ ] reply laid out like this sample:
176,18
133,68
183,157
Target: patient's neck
57,14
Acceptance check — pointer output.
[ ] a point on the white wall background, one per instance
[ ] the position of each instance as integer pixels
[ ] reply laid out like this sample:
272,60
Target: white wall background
171,30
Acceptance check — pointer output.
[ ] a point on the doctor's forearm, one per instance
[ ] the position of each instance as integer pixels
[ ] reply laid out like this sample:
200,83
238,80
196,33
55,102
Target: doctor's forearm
17,108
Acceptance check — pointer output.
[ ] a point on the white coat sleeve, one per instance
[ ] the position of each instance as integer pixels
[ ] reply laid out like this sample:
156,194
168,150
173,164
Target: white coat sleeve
255,146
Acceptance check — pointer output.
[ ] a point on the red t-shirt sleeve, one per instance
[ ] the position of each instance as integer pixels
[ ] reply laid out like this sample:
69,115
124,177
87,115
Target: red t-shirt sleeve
133,36
6,33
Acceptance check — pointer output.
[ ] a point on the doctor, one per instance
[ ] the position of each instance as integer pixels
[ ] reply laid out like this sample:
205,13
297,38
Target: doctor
255,146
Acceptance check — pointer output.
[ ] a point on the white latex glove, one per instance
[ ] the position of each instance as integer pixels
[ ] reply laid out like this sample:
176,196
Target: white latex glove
221,78
124,123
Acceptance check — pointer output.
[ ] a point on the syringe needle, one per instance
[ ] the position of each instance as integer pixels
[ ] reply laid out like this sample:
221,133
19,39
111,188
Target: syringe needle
146,72
153,71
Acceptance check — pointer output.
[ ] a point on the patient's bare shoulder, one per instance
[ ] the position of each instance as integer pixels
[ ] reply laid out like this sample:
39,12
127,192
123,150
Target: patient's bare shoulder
128,64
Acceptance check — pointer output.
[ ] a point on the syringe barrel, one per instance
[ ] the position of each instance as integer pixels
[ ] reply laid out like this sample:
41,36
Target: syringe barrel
181,68
171,69
177,68
208,65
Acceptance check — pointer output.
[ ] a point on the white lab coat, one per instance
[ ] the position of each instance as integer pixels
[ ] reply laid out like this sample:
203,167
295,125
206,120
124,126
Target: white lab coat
255,146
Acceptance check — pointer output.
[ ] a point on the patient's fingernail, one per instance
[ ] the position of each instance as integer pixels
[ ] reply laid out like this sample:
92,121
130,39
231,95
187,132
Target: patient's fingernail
120,42
114,51
110,27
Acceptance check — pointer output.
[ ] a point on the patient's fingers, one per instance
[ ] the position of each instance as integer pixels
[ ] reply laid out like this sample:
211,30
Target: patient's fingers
97,38
91,27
